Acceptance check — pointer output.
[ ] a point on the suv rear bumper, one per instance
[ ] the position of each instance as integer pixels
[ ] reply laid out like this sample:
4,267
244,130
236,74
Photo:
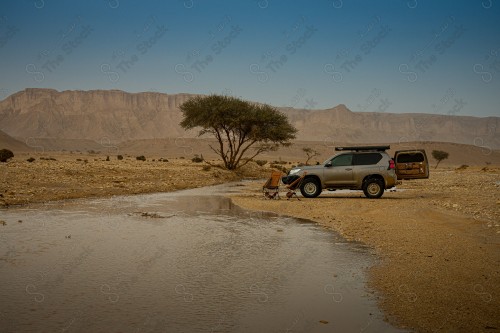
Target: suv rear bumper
391,181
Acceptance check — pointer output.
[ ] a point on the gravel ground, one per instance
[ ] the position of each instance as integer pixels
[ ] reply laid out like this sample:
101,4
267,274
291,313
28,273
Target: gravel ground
67,176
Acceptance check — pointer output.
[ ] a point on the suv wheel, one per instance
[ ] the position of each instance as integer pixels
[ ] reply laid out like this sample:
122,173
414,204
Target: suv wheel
310,188
373,188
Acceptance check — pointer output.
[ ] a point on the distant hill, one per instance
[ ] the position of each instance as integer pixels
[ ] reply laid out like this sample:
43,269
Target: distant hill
8,142
117,116
167,148
339,124
188,147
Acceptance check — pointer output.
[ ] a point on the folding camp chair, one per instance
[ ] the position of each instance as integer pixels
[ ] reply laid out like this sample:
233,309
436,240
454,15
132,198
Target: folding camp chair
272,186
293,187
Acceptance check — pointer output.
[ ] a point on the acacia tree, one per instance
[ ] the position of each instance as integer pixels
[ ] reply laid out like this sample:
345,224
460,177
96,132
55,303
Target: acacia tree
439,155
238,126
310,153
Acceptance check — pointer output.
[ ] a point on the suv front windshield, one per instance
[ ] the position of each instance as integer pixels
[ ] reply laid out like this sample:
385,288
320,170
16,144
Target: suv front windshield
330,159
339,160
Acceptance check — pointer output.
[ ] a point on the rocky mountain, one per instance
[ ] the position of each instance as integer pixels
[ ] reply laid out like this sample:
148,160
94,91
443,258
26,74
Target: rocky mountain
94,115
339,124
118,116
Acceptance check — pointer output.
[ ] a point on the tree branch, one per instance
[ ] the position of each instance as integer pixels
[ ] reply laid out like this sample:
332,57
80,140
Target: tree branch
259,151
244,150
221,145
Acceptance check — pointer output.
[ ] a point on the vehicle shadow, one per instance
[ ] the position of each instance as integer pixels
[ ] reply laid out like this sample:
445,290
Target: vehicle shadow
346,196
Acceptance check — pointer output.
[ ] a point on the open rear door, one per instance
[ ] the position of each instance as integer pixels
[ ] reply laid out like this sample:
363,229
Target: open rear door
411,164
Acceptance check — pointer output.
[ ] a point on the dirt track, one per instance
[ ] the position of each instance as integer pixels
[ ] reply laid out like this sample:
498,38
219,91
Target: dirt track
438,241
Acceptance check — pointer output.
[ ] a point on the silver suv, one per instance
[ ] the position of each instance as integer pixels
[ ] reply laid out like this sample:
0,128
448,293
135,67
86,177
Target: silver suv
367,168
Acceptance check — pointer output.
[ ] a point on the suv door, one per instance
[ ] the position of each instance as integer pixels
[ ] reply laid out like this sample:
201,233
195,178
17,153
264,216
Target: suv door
338,171
411,164
364,164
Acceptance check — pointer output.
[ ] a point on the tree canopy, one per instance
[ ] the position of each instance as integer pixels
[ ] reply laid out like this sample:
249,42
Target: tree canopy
238,126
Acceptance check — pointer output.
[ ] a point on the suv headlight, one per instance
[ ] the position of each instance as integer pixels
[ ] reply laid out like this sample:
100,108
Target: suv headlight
294,171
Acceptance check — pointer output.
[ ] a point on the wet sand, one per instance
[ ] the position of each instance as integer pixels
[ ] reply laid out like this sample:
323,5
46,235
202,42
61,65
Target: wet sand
438,241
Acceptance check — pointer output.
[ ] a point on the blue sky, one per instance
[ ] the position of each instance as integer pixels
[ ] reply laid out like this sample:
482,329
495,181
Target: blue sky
397,56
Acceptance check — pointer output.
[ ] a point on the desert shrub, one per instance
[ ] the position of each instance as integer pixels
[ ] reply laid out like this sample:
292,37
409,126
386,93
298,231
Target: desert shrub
31,159
279,167
141,158
86,161
78,159
206,168
310,153
197,159
462,167
5,155
119,157
280,162
261,162
162,160
439,155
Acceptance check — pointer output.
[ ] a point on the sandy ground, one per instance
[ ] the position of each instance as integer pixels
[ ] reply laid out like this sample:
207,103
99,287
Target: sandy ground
69,176
438,240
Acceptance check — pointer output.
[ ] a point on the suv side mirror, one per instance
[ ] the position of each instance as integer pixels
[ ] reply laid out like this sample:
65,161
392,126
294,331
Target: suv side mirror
328,164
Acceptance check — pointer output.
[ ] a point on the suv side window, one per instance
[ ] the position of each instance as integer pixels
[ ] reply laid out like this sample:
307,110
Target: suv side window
342,160
367,159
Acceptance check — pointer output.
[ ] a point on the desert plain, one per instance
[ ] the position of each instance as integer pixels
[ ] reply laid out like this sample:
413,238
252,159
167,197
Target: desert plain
436,241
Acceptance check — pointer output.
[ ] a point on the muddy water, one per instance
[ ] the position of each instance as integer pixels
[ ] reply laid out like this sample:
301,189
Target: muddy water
179,262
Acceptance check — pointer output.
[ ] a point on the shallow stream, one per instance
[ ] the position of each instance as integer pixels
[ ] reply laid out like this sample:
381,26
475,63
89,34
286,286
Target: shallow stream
188,261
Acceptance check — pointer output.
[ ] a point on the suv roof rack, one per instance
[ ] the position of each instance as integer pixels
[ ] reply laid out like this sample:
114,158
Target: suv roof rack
364,148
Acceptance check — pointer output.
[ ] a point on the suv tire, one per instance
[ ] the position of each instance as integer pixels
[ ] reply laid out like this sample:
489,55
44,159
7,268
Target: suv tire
310,188
373,188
